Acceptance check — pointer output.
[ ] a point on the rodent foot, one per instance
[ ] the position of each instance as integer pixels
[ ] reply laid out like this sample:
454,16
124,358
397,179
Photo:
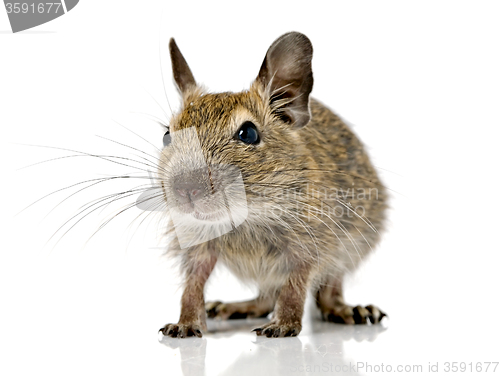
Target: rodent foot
345,314
239,310
276,329
181,330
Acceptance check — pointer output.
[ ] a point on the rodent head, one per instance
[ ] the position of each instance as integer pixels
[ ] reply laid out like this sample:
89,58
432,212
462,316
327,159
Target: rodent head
225,150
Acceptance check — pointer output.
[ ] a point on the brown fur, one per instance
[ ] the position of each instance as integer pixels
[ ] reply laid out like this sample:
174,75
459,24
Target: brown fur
306,243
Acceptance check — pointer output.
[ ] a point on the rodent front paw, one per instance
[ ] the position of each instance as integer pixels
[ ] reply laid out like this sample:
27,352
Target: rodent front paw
278,329
181,330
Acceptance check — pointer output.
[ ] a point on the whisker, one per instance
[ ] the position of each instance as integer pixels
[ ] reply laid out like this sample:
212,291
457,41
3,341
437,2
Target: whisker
104,157
364,219
87,187
337,223
155,166
71,186
116,197
142,138
161,67
51,160
156,119
127,207
159,105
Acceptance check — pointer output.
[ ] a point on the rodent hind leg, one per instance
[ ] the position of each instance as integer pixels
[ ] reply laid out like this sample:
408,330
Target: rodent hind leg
330,301
255,308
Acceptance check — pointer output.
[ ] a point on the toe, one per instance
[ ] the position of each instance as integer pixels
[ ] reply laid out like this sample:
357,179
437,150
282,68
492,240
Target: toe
211,308
181,331
360,314
278,330
376,315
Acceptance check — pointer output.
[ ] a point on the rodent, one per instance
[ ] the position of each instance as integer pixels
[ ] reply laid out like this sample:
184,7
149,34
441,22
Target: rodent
313,206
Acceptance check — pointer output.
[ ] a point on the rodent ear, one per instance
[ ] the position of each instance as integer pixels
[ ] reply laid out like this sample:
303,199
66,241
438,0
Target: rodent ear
182,74
287,77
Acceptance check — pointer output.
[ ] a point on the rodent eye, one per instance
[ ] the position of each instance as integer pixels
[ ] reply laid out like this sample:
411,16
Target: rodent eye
166,139
248,133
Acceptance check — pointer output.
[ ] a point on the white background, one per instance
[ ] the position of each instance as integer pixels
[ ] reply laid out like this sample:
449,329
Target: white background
419,82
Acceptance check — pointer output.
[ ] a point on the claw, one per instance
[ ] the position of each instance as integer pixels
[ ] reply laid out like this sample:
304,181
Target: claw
353,315
181,330
275,329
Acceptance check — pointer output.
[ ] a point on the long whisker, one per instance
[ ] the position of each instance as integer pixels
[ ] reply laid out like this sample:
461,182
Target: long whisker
161,66
336,171
51,160
155,119
138,189
341,202
153,165
158,104
89,186
305,227
333,232
337,223
367,222
104,157
116,197
127,207
142,138
159,203
71,186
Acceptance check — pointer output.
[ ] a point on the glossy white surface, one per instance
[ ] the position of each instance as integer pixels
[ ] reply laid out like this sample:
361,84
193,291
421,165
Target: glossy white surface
319,347
419,81
410,346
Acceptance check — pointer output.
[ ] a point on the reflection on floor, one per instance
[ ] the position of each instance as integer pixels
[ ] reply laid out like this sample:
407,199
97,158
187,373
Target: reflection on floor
318,349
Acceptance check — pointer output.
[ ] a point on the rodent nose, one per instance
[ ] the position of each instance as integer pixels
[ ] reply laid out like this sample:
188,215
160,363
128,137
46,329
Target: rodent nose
188,190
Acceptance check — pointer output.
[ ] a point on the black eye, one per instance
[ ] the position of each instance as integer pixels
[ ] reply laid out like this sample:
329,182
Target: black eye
248,133
166,139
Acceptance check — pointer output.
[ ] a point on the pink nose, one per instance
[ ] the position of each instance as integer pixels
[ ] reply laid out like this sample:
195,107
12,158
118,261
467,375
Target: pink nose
188,192
189,188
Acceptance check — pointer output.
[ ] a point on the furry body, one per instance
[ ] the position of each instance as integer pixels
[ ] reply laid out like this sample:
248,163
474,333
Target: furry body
315,204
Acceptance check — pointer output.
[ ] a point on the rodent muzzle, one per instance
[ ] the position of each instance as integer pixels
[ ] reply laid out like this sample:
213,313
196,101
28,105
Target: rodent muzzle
189,191
192,186
212,194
